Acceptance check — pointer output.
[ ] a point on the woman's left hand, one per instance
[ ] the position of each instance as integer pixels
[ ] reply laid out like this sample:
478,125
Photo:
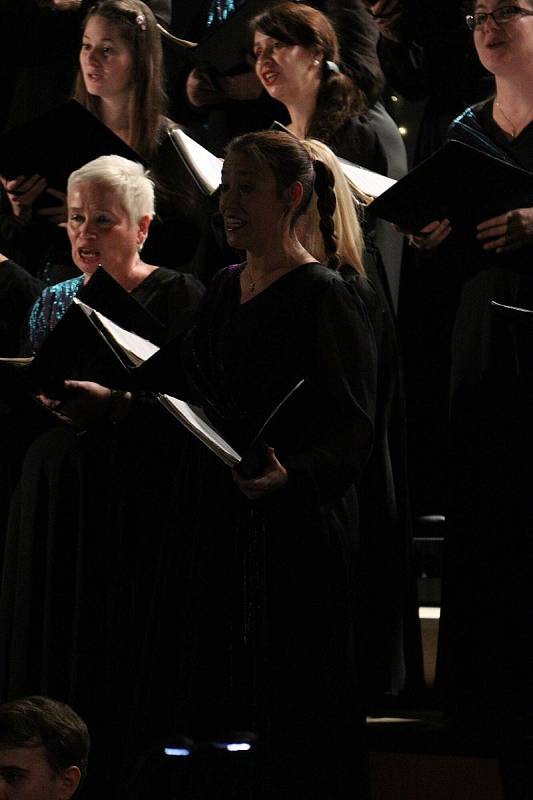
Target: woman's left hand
86,403
274,477
428,237
509,231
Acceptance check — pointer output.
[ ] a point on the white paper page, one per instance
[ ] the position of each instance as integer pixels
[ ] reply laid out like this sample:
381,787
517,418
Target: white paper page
137,348
194,419
369,182
15,361
521,310
206,165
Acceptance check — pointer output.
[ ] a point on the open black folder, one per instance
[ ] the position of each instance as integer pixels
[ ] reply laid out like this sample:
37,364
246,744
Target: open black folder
520,325
146,365
56,143
72,351
87,345
458,182
204,167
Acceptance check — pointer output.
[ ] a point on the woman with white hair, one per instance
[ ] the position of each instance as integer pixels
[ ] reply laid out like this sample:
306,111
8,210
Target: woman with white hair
120,80
110,208
83,530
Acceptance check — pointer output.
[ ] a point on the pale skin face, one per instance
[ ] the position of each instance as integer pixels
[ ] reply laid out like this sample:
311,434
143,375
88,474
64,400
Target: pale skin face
257,219
504,48
254,213
289,72
25,774
101,232
106,60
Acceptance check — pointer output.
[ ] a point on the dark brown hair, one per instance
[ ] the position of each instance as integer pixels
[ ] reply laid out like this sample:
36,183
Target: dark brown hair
40,721
136,26
338,98
289,161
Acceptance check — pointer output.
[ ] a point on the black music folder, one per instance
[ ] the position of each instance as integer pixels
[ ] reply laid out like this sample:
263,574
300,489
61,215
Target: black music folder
119,358
71,349
56,143
225,48
458,182
105,295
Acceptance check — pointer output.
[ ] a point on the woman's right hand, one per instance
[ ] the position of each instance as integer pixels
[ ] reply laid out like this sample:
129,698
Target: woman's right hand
201,89
22,193
88,403
274,477
430,236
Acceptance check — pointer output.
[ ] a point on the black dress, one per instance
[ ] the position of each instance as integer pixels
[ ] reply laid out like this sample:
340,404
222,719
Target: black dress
485,647
257,614
81,548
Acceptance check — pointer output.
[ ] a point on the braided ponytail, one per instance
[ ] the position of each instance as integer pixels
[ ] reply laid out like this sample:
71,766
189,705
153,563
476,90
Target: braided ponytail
326,203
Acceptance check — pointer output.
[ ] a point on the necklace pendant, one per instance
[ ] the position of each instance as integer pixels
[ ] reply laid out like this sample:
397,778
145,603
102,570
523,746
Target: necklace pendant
251,287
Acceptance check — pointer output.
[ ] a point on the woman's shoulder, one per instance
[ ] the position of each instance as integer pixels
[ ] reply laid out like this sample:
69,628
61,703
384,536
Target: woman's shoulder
357,141
50,307
65,289
470,118
315,272
330,287
228,274
170,277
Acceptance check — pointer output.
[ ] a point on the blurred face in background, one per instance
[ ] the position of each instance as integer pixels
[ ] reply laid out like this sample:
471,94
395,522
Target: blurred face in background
505,48
25,774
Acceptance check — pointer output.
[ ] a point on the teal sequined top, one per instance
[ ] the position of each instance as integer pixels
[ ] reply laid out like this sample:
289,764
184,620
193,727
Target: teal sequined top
220,10
49,308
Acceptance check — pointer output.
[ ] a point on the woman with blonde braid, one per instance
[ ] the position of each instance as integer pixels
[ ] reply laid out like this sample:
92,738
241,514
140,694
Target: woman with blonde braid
386,606
255,623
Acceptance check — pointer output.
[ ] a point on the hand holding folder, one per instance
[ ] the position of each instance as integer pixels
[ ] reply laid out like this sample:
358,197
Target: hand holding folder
71,350
89,346
459,183
137,354
57,143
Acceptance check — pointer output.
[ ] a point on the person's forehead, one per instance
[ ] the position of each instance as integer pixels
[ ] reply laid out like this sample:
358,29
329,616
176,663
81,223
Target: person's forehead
23,757
94,193
490,5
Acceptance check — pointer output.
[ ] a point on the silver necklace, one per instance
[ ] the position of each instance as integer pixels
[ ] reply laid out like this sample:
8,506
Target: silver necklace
504,115
252,282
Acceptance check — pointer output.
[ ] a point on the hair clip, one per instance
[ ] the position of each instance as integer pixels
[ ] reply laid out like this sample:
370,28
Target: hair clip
140,19
331,66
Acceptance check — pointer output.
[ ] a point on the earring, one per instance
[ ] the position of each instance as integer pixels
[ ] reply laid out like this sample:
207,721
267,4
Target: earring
316,61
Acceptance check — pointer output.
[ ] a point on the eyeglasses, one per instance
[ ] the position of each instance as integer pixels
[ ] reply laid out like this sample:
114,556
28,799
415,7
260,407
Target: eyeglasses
499,15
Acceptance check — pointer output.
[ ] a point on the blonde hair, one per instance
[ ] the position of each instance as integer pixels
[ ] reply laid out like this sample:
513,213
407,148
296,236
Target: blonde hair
348,233
127,179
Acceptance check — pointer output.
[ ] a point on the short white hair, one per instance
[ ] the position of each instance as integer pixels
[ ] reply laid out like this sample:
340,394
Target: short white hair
128,179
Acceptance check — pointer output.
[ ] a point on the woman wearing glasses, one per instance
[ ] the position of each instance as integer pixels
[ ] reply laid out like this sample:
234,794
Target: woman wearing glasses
485,664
